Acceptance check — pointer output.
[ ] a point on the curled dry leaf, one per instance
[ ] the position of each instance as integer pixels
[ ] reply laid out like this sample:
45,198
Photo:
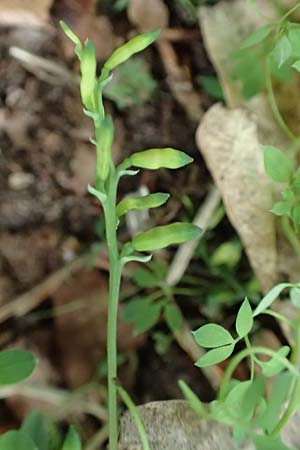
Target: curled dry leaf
228,140
148,15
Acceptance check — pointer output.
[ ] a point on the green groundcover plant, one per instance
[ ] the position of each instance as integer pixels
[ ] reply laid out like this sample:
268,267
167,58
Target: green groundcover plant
243,405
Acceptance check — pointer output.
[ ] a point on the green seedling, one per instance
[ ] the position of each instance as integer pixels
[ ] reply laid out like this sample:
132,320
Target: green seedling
244,405
105,190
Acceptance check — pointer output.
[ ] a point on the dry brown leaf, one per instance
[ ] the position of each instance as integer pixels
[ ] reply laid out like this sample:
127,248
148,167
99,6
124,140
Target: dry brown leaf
228,140
24,12
148,15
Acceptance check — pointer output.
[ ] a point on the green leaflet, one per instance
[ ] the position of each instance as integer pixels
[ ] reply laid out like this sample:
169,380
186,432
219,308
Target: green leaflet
161,237
142,312
157,158
15,366
72,441
258,36
42,430
104,140
16,440
277,165
140,203
282,51
212,335
88,75
135,45
215,356
244,320
173,316
72,36
295,296
270,297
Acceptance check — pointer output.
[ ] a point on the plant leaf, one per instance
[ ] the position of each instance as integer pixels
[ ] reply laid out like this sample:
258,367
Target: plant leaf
161,237
278,396
193,399
72,440
105,136
296,65
15,366
273,366
282,208
264,442
157,158
295,296
88,74
277,165
135,45
143,313
215,356
212,335
144,278
270,297
244,320
258,36
16,440
42,430
173,316
72,36
282,51
140,203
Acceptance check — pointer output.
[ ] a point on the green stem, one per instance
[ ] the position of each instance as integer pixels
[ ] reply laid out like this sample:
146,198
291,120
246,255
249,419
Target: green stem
136,417
273,103
295,388
113,300
290,234
248,344
244,354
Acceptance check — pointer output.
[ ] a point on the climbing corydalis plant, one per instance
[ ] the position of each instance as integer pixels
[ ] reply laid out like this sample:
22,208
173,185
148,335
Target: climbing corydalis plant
107,178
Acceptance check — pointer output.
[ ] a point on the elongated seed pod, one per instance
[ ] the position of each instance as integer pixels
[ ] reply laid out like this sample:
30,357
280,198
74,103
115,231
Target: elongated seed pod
157,158
104,138
88,74
135,45
140,203
160,237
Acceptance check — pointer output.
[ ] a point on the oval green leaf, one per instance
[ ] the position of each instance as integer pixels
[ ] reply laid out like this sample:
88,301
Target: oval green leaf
277,165
143,313
16,440
135,45
244,320
15,366
88,74
282,51
72,441
173,317
258,36
270,297
140,203
212,335
157,158
215,356
161,237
